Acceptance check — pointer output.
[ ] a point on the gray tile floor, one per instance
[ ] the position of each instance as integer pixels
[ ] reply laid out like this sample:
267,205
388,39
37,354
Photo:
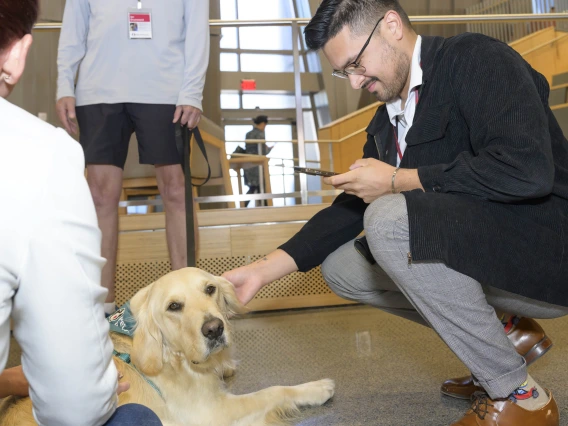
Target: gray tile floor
387,370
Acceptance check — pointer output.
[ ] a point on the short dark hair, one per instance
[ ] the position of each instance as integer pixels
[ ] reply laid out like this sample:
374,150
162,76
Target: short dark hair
359,15
17,18
260,119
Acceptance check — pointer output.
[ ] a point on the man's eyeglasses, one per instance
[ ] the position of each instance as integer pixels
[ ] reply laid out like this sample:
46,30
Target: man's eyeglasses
355,68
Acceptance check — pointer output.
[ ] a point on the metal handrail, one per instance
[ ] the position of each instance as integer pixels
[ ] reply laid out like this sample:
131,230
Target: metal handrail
441,19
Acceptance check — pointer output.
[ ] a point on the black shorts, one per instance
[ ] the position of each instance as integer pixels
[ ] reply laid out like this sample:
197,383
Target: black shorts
106,130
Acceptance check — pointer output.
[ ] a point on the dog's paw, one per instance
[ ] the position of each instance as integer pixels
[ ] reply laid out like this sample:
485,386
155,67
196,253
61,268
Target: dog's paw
315,393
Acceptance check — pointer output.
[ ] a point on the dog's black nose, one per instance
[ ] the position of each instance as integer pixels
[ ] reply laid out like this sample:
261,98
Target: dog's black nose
213,328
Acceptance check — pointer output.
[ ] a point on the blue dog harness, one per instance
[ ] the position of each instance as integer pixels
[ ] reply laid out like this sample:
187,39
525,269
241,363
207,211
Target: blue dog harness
123,322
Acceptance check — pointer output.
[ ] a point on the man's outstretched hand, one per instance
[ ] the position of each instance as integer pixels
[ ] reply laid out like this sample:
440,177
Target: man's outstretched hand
246,283
249,279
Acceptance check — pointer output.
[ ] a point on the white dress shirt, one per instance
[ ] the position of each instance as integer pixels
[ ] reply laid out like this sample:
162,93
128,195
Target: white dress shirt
50,272
405,113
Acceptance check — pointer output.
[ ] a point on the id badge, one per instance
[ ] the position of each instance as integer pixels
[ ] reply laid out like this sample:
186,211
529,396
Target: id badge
139,23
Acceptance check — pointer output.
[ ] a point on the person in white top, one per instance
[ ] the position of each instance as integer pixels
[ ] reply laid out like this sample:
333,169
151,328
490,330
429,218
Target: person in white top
142,69
50,262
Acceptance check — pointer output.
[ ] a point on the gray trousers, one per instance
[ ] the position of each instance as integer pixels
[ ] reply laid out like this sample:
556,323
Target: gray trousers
458,308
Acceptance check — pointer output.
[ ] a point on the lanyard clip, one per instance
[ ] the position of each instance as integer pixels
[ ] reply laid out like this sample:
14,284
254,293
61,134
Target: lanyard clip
139,4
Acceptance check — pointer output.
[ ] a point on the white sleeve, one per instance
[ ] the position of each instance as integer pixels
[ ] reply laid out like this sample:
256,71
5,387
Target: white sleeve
196,16
72,45
58,309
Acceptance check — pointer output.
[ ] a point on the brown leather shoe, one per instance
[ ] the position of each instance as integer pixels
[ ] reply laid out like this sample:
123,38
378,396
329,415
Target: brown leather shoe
529,340
503,412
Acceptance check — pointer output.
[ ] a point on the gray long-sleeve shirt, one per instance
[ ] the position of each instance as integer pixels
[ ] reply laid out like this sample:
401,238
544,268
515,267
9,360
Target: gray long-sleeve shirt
167,69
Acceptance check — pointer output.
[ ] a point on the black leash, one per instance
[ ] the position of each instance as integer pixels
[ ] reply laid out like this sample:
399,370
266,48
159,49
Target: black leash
189,214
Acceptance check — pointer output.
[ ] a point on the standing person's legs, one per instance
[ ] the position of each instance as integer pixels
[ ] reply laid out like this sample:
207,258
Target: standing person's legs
454,304
156,134
171,184
105,183
133,415
105,135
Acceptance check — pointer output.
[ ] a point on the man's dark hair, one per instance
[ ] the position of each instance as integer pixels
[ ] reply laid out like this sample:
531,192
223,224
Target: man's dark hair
260,119
359,15
17,18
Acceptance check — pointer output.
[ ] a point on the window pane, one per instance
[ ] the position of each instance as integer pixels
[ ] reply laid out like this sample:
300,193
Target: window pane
322,108
265,9
303,9
314,64
280,179
236,132
268,63
228,9
279,132
266,38
230,101
229,62
310,134
272,101
229,38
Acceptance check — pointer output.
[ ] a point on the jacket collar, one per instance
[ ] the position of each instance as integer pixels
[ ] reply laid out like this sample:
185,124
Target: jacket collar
430,48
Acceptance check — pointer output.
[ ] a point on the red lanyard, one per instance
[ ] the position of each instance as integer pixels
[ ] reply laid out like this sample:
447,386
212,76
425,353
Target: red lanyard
395,129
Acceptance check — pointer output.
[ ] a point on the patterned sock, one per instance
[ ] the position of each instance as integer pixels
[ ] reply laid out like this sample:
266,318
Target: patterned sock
511,323
529,395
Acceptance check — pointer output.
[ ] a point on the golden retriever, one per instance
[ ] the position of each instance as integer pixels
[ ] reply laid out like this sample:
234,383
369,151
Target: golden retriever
181,343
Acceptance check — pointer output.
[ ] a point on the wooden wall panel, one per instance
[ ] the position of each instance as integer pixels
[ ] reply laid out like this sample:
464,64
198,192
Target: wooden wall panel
143,258
142,247
550,58
260,239
215,242
351,150
533,40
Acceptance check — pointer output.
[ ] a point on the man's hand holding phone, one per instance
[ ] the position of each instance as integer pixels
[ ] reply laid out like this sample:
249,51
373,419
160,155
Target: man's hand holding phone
367,179
314,172
370,179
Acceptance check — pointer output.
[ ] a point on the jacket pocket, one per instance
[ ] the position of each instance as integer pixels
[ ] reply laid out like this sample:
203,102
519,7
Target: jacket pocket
430,125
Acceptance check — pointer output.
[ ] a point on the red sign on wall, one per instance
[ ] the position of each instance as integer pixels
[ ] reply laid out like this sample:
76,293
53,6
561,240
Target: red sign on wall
248,84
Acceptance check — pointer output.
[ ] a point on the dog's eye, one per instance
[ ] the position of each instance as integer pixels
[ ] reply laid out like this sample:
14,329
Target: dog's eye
174,306
210,289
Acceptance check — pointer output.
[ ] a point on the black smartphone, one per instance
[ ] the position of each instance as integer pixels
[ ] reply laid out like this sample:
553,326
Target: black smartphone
314,172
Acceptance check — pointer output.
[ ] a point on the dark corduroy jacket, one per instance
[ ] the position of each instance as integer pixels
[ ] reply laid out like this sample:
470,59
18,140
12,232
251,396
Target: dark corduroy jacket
494,165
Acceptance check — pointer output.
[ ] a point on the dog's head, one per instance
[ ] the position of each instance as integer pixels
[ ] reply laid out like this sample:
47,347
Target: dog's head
185,314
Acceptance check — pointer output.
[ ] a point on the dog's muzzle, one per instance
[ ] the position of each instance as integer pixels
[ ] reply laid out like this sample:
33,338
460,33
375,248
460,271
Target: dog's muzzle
213,329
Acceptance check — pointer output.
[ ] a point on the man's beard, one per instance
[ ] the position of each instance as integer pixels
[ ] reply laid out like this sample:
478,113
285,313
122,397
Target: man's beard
391,90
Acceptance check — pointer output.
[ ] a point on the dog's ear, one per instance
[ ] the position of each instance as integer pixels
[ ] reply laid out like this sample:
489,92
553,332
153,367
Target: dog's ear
230,304
147,343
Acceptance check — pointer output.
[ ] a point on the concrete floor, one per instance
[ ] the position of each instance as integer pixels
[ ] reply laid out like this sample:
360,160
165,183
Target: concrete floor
387,370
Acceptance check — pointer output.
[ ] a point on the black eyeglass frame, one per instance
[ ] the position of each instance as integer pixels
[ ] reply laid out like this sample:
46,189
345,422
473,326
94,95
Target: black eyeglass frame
358,67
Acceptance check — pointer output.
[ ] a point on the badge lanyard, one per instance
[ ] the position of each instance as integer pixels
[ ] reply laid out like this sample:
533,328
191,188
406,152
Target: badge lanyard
139,22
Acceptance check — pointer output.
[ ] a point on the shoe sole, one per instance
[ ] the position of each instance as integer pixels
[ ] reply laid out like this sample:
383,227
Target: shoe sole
531,356
538,350
458,395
